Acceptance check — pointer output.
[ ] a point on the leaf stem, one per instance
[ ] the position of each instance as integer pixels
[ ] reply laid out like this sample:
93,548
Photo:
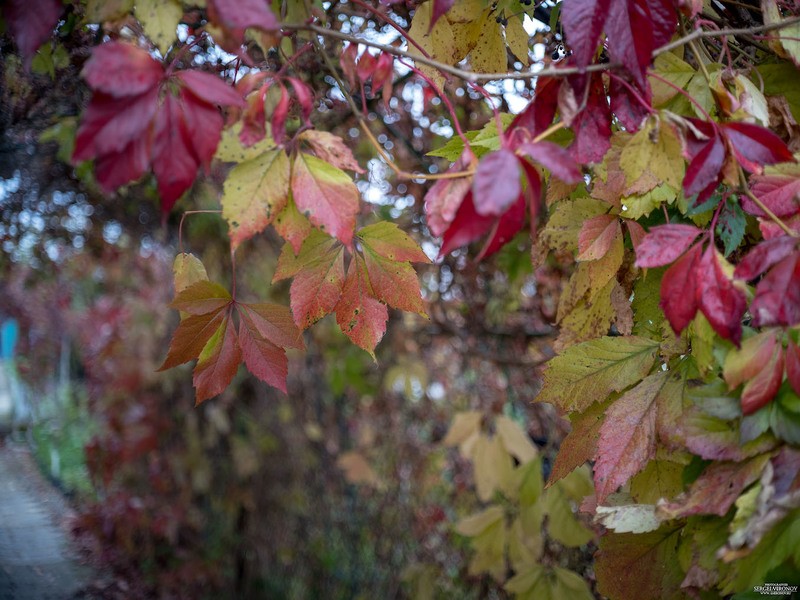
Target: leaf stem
186,214
686,94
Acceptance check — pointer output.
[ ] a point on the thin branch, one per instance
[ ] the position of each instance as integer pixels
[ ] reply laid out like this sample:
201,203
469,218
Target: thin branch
473,77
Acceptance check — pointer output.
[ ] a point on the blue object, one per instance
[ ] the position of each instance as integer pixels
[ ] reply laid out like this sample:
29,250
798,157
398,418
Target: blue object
9,332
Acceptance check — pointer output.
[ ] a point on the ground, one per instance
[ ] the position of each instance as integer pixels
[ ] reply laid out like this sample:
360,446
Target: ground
37,560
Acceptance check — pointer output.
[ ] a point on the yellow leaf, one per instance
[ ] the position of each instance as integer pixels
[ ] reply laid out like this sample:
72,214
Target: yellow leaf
489,54
160,20
517,40
357,469
439,42
230,149
186,270
655,149
493,467
476,524
98,11
515,440
464,425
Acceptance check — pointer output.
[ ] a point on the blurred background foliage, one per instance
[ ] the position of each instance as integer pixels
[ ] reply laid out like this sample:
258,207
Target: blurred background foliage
342,489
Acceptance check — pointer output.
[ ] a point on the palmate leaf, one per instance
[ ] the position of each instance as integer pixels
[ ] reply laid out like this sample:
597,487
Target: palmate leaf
208,333
360,316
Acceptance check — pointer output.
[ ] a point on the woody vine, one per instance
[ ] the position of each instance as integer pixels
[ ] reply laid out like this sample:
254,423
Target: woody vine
659,154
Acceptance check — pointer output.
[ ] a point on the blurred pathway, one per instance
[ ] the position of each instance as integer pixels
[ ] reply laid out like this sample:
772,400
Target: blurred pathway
35,562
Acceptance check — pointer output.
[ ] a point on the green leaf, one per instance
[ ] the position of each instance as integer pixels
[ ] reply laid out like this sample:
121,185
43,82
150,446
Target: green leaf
566,219
391,242
476,524
562,524
731,225
589,372
255,191
187,270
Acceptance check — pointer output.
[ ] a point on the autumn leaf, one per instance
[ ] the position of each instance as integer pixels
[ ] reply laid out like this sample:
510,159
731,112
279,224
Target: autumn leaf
777,299
584,21
706,152
160,20
778,188
554,158
443,200
597,235
628,436
715,491
754,146
330,148
325,195
592,125
721,302
30,23
360,316
497,183
679,290
254,193
758,363
580,445
587,373
391,242
318,272
665,243
241,14
261,352
291,225
393,282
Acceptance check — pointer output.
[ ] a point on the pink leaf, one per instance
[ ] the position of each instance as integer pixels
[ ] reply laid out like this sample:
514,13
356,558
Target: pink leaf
583,22
754,146
30,23
119,69
241,14
777,300
210,89
440,7
705,168
664,243
554,158
764,255
497,182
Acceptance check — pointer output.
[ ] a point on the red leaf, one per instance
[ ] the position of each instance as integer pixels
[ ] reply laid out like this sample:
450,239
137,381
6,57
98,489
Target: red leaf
318,272
210,89
305,98
705,168
383,71
262,358
366,66
443,200
326,195
440,7
466,227
596,236
777,300
779,192
678,290
793,366
109,124
754,146
583,22
627,436
497,183
759,365
120,70
253,119
627,20
765,255
174,163
554,158
359,315
204,124
279,115
592,125
218,362
538,114
718,299
506,227
241,14
118,168
664,243
626,107
30,23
